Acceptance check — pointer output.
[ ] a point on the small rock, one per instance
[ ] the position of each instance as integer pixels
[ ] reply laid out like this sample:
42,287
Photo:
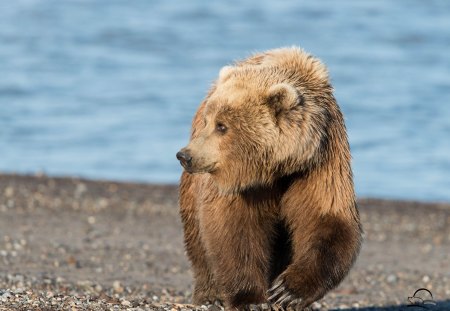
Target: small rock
9,192
427,248
59,279
19,291
6,295
117,287
392,278
126,303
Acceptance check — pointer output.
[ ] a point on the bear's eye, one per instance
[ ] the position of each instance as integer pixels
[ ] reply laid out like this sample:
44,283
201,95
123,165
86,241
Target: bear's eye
221,128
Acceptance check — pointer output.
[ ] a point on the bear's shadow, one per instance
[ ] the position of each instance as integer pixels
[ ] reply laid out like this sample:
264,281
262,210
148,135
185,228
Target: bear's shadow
443,305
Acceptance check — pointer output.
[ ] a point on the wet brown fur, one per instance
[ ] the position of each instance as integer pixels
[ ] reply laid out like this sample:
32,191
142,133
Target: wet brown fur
271,201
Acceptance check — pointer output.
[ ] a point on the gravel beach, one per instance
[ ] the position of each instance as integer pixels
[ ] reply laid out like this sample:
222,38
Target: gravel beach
73,244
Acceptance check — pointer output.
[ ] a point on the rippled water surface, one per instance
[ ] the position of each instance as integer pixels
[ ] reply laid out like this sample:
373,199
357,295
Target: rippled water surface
107,89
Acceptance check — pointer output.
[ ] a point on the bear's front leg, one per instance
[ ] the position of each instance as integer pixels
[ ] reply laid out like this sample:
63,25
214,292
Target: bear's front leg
206,291
324,249
237,238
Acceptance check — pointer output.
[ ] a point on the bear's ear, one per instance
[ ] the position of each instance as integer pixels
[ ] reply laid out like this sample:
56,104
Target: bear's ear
283,96
225,73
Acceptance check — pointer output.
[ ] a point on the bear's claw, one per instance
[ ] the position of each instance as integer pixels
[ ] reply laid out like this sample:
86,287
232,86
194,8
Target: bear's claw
259,307
281,296
284,300
276,293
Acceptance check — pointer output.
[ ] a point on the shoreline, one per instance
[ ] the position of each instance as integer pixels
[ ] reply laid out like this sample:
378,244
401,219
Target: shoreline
78,243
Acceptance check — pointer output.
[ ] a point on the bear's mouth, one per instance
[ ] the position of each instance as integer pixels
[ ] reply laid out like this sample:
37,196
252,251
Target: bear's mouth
200,170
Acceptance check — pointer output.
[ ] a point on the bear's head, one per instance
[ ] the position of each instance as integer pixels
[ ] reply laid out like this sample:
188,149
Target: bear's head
262,121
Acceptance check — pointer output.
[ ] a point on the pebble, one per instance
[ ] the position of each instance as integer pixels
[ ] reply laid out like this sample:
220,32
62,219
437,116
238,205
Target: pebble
126,303
9,192
80,190
392,278
117,287
6,294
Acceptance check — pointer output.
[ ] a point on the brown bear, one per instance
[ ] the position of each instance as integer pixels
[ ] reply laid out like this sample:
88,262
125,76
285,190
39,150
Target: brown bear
267,198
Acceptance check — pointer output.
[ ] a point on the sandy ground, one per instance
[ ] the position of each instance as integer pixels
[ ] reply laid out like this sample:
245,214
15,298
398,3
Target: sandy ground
71,244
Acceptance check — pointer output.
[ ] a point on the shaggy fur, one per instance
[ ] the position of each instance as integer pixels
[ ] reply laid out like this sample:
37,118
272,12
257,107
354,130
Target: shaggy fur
267,197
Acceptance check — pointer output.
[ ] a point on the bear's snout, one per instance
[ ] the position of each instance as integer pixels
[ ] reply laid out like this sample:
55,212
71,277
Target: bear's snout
185,158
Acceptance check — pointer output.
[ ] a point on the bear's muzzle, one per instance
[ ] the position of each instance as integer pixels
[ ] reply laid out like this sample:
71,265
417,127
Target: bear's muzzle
185,158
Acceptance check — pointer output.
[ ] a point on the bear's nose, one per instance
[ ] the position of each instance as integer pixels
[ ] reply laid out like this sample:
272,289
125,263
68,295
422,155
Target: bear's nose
184,158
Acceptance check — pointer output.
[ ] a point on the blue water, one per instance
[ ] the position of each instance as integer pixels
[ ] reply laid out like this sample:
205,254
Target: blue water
107,88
